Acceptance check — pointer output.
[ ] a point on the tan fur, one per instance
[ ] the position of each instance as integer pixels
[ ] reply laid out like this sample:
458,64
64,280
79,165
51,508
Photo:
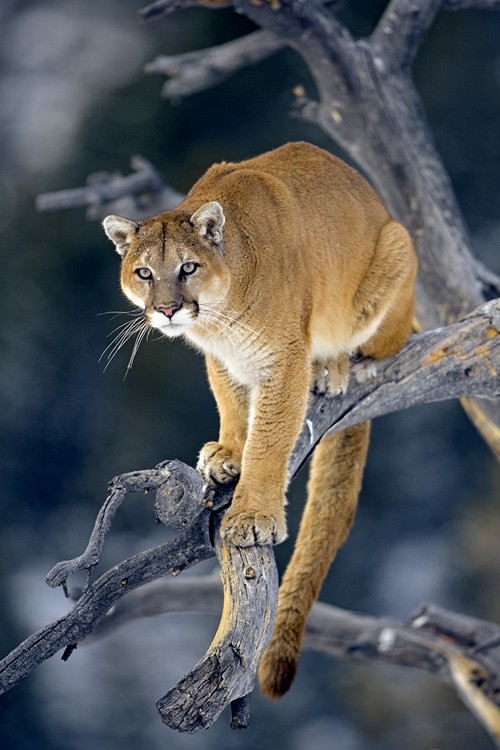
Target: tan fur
298,265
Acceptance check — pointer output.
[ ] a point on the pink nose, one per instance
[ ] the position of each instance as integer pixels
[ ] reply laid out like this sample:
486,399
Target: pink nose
168,310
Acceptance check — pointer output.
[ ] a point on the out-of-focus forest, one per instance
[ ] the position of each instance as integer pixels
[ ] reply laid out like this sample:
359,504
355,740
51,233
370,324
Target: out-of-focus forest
74,100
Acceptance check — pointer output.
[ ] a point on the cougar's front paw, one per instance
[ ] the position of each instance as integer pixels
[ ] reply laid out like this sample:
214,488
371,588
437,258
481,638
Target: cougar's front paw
218,464
331,378
248,527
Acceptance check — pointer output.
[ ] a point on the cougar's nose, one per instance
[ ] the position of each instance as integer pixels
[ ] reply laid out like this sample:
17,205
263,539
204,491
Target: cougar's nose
168,310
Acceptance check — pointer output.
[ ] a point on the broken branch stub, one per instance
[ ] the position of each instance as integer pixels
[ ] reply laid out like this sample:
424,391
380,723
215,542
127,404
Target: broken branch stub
226,674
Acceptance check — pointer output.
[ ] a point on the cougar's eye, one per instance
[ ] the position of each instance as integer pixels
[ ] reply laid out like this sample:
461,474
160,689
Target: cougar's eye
188,268
144,273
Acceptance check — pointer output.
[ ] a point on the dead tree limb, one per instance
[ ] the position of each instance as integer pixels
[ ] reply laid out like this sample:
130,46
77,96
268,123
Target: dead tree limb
461,651
200,70
137,195
226,674
65,633
450,362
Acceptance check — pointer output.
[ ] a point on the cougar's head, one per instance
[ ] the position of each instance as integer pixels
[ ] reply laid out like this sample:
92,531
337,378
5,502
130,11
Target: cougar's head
172,264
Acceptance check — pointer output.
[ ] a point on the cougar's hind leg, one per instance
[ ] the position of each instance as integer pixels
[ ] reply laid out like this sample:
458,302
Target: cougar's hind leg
387,290
333,489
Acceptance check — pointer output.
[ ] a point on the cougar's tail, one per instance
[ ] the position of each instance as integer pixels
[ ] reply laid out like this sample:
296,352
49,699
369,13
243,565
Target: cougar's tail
332,494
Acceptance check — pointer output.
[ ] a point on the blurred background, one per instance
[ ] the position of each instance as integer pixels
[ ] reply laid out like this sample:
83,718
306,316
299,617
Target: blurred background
75,100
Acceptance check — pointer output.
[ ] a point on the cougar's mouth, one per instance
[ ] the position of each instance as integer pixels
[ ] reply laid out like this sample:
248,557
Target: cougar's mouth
172,320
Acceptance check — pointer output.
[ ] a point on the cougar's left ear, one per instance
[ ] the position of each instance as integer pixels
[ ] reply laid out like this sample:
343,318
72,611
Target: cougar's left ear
209,220
120,231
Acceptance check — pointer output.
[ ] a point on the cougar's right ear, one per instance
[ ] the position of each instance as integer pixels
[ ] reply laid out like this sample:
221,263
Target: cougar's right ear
209,220
120,231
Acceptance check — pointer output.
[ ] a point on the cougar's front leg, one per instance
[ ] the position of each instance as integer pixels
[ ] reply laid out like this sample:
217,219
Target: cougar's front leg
277,410
220,461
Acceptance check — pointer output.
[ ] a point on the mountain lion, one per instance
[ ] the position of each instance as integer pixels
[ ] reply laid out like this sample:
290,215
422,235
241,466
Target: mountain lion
278,268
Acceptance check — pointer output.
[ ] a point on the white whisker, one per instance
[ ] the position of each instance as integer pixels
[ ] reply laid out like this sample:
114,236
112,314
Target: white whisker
215,324
115,313
143,332
131,328
118,328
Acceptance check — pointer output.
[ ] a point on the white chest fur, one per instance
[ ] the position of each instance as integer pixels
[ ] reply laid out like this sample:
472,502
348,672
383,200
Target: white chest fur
246,363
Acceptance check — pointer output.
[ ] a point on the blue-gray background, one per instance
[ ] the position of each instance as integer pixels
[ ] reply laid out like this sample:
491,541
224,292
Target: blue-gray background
74,100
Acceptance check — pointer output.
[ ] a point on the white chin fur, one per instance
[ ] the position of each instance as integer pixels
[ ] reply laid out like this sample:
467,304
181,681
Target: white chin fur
174,327
173,331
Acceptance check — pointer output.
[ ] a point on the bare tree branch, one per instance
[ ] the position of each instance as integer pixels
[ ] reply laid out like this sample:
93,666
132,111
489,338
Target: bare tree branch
162,8
165,559
401,30
462,651
468,4
137,195
453,361
227,671
196,71
431,367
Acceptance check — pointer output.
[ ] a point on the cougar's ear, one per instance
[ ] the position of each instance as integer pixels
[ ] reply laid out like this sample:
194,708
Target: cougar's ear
120,231
209,220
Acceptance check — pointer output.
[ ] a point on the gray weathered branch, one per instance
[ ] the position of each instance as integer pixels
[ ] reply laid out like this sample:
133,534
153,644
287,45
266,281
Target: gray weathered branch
468,4
433,366
200,70
65,633
136,195
462,651
401,30
162,8
226,674
450,362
